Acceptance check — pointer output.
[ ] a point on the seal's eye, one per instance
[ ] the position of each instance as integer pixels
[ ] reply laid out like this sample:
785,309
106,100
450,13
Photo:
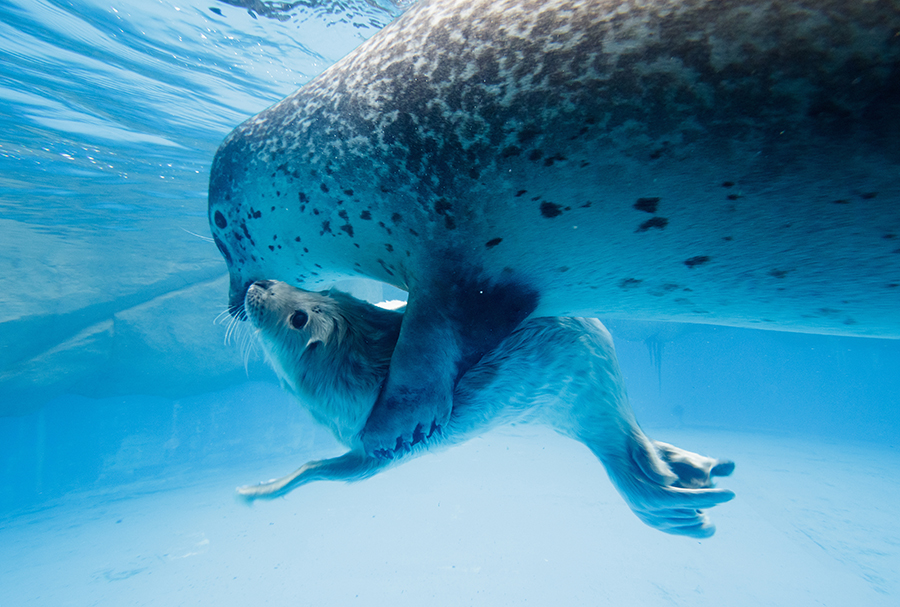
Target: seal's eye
298,319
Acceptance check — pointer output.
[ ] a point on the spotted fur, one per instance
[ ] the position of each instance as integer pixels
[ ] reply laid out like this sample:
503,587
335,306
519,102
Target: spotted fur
696,160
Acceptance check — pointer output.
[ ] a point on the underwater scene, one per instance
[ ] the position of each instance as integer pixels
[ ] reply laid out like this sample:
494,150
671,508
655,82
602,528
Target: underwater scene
213,213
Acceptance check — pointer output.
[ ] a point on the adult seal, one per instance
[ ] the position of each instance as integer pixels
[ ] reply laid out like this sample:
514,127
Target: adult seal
702,161
332,352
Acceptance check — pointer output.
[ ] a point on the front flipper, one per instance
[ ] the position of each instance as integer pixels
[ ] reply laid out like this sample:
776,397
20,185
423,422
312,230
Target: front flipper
352,466
667,487
447,327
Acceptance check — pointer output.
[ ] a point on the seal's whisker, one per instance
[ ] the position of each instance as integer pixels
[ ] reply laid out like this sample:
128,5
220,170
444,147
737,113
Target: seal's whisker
200,236
233,325
248,347
222,316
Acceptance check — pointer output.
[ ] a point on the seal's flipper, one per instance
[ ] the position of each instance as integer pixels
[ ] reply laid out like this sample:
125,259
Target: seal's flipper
668,487
447,328
694,471
352,466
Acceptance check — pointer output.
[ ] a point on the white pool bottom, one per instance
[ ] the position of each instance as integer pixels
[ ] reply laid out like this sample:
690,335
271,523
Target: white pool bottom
509,519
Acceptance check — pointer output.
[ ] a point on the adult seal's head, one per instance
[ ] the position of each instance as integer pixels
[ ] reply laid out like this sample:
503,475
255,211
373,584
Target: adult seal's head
704,161
330,350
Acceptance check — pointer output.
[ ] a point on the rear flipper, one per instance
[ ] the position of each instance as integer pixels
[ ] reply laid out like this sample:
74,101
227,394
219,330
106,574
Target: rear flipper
667,487
352,466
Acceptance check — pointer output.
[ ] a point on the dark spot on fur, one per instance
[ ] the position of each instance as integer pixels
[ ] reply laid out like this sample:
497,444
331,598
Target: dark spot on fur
348,228
365,215
302,197
385,266
656,154
510,151
841,201
696,261
548,162
562,269
323,187
343,214
630,283
549,209
220,220
413,232
727,238
389,247
656,222
255,214
348,192
584,163
396,218
315,211
271,248
889,236
326,227
305,250
586,205
648,205
893,285
521,193
868,195
442,206
733,196
247,233
528,133
297,239
727,184
493,242
581,132
535,155
778,273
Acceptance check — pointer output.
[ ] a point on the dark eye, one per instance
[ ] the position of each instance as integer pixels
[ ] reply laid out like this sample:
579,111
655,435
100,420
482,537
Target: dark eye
298,319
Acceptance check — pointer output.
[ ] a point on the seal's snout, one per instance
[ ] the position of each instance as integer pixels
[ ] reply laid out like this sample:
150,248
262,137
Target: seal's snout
263,284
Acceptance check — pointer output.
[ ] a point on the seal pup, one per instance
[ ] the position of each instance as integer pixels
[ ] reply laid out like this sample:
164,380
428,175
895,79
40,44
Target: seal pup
333,351
703,161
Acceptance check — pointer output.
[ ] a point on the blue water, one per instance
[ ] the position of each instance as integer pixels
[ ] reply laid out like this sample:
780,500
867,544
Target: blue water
126,420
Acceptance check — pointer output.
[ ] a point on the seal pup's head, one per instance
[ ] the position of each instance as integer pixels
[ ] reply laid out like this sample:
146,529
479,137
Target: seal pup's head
330,350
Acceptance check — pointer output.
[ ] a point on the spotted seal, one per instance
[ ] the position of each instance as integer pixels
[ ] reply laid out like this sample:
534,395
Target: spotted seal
332,352
704,161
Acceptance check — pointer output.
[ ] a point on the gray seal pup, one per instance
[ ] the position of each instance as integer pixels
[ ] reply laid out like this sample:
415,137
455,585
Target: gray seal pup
332,352
691,160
